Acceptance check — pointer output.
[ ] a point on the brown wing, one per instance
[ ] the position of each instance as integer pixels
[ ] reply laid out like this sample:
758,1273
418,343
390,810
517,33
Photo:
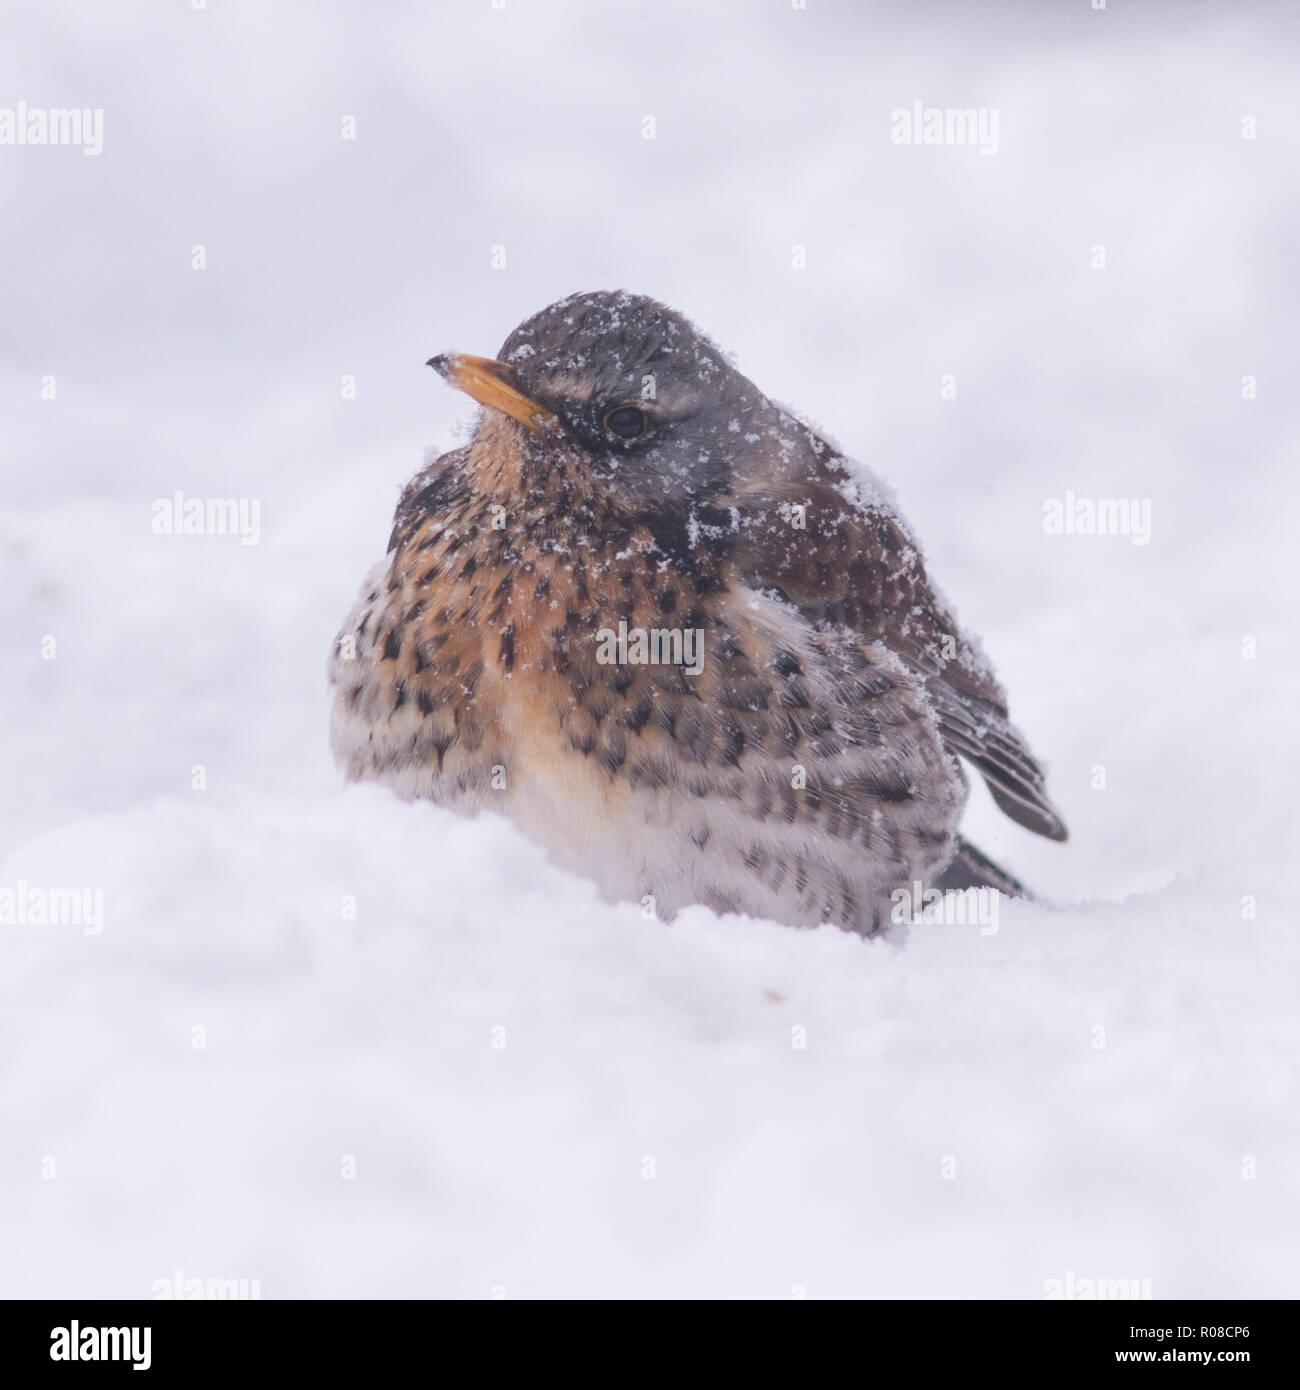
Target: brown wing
842,560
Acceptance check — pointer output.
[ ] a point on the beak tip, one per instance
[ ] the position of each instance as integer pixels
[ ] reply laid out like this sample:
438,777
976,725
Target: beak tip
490,383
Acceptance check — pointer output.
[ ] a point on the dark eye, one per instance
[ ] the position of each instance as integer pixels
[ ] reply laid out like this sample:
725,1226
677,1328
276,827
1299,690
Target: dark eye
628,422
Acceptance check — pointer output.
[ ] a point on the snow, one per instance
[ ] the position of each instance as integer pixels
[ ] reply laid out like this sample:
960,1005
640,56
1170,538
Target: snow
536,1093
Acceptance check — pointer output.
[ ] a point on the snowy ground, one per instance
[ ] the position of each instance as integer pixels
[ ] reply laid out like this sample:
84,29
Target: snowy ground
485,1079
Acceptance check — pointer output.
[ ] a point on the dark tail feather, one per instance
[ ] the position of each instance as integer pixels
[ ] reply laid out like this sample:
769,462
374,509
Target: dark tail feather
971,869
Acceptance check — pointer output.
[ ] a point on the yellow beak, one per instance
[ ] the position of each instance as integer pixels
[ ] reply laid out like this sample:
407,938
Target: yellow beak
488,381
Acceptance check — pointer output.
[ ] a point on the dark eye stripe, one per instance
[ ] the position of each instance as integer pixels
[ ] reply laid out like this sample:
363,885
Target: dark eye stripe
627,421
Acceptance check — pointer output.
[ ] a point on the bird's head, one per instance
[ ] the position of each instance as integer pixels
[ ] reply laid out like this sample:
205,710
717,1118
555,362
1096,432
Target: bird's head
650,406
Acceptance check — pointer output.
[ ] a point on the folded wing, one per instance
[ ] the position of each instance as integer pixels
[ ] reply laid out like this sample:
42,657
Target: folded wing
843,560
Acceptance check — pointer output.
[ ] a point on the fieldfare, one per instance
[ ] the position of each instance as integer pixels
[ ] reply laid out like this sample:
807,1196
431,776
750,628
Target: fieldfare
674,636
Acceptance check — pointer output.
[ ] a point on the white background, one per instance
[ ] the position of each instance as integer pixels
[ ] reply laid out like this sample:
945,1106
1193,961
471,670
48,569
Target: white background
775,1167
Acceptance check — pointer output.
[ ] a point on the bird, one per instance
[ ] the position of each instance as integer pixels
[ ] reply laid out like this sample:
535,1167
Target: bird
676,637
